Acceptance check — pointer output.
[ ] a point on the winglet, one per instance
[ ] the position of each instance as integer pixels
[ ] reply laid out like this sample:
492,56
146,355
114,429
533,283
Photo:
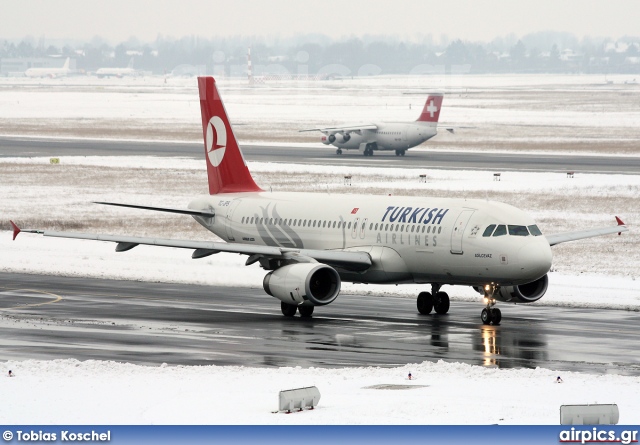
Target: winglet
16,229
620,223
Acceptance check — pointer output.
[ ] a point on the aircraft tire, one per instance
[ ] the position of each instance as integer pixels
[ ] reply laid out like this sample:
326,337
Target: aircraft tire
402,152
288,310
397,152
425,303
485,316
306,311
496,316
442,303
338,151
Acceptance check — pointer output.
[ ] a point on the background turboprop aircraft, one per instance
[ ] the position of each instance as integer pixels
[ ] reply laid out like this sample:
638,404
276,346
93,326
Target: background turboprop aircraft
398,136
49,72
311,242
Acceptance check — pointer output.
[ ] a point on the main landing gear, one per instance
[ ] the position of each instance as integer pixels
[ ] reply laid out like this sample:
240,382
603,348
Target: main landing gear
490,314
434,300
368,151
400,152
289,310
339,151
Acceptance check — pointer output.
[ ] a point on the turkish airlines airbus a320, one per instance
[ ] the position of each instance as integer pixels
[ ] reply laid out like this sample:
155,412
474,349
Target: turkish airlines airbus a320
384,136
311,242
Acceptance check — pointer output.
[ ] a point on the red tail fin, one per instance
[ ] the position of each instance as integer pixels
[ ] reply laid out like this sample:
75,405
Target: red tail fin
226,167
431,110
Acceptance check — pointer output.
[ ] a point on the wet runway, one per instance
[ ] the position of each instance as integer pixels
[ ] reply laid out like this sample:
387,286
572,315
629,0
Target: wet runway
48,317
424,158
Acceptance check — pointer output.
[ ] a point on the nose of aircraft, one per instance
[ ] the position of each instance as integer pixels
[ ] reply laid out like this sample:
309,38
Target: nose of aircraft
535,258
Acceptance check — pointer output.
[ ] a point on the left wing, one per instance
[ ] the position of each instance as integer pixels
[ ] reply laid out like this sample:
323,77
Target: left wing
346,129
572,236
351,260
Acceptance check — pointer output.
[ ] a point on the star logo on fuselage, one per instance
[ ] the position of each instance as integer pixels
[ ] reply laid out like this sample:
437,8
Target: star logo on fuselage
216,140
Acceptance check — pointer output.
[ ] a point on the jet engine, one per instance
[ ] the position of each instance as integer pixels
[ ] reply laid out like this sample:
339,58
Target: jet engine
331,138
316,283
524,293
340,138
326,140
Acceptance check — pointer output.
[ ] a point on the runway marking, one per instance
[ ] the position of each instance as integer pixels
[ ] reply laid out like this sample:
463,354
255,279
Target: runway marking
55,300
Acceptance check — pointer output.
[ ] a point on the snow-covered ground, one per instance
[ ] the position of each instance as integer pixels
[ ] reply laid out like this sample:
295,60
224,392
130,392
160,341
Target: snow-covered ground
442,393
551,112
72,392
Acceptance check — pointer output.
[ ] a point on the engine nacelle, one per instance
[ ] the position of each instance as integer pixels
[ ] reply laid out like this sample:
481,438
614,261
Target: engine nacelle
341,138
524,293
331,138
315,283
325,140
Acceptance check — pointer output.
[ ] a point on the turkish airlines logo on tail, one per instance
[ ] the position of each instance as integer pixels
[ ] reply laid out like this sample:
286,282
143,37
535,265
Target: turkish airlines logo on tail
216,140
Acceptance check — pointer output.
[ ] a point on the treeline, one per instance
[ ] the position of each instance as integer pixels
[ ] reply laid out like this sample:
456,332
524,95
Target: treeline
535,53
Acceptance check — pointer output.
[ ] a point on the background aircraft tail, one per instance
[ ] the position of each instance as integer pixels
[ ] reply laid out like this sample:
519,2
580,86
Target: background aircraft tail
226,167
431,110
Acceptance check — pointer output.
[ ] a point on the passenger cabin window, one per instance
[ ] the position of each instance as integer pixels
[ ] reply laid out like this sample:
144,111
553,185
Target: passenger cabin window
500,230
489,230
534,230
518,231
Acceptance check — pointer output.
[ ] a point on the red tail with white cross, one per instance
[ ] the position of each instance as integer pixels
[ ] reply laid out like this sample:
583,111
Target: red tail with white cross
431,110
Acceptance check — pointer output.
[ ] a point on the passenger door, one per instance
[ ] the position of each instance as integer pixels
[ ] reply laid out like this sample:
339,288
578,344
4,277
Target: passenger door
458,230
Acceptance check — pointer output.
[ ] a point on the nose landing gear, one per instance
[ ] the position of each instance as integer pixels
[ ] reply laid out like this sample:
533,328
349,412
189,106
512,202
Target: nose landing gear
490,314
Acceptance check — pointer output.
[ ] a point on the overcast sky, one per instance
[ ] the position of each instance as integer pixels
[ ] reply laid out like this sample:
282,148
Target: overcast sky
117,20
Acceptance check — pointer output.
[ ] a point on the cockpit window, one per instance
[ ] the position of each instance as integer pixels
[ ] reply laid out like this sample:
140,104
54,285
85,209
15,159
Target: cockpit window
500,230
489,230
534,230
518,231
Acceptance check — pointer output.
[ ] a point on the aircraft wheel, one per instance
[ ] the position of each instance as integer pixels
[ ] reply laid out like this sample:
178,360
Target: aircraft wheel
306,311
425,303
338,151
485,316
397,152
496,316
288,310
442,303
402,152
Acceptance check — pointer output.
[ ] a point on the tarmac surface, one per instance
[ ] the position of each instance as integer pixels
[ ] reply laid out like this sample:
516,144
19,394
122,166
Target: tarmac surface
51,317
421,158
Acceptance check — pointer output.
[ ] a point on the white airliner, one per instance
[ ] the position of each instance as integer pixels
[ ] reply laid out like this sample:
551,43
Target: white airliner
117,72
49,72
383,136
311,242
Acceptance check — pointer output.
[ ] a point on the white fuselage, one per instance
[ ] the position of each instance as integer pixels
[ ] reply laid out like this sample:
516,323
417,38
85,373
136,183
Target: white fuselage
47,72
391,136
410,239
